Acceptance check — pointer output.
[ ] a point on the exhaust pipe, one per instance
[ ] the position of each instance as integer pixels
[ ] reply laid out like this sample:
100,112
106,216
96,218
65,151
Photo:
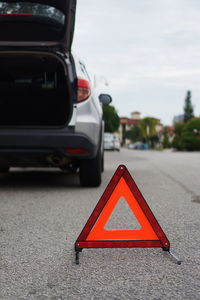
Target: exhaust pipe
58,161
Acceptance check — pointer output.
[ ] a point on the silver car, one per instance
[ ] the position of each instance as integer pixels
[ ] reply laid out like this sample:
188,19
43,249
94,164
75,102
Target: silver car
50,116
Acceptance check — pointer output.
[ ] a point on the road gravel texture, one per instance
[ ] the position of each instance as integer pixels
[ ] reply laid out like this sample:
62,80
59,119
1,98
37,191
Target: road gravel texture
42,214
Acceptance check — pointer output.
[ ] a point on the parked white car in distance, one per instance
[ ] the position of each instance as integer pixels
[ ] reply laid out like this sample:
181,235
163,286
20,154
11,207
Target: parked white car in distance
111,141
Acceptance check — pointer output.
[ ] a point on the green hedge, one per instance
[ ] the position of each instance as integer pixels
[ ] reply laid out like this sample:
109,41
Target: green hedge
187,136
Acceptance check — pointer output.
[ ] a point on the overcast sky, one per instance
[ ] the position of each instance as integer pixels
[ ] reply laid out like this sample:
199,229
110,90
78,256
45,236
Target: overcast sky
149,50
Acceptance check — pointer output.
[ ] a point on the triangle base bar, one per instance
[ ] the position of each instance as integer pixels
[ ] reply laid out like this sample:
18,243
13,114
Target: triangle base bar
119,244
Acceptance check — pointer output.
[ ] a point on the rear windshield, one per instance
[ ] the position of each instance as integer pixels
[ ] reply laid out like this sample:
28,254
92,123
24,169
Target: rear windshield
32,9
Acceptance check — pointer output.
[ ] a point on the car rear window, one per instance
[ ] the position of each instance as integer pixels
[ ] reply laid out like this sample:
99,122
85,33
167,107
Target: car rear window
32,9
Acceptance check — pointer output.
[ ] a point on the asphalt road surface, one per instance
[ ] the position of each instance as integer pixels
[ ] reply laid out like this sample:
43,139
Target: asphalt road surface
42,214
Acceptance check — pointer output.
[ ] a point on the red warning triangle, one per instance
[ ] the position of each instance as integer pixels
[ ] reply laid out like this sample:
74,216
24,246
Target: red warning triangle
94,234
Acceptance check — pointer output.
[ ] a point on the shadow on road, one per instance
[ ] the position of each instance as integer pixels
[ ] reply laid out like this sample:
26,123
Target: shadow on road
34,178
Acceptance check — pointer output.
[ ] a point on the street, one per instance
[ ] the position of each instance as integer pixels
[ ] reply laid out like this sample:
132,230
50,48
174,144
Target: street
42,213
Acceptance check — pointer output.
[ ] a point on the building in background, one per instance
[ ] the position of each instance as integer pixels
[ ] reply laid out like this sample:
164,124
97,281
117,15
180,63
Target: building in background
127,123
178,119
167,136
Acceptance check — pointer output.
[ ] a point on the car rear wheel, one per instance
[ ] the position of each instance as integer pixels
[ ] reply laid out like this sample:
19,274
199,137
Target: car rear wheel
90,171
102,162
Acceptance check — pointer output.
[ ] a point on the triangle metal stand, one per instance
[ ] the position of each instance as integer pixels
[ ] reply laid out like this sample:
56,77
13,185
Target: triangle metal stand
177,260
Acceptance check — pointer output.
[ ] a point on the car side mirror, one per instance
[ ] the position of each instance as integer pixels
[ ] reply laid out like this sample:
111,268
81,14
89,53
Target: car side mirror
105,99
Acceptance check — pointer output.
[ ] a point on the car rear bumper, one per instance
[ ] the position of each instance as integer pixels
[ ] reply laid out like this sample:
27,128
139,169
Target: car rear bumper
15,145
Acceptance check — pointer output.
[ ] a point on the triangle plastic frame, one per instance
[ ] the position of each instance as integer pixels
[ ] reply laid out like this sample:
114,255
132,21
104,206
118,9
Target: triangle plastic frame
161,240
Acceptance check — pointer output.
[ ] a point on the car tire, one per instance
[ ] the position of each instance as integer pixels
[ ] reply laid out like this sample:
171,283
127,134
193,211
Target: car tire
102,162
90,171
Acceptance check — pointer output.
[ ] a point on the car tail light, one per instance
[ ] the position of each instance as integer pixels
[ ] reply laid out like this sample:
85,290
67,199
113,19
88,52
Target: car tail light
84,89
76,151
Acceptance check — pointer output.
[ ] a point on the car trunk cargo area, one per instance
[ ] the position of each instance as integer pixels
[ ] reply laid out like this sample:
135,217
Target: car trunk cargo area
33,90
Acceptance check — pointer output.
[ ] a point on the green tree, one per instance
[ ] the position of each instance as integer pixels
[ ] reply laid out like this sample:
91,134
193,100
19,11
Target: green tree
111,118
166,142
148,130
179,127
191,135
187,135
188,107
134,134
